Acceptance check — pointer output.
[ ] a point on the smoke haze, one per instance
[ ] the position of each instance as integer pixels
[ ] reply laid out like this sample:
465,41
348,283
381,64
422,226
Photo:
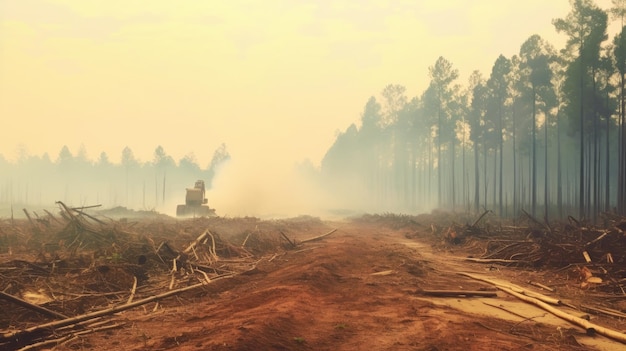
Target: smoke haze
251,185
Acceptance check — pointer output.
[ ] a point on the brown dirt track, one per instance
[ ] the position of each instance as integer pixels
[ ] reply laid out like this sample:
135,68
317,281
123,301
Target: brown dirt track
326,295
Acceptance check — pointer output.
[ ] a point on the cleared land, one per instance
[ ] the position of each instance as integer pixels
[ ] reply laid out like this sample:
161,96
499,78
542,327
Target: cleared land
141,281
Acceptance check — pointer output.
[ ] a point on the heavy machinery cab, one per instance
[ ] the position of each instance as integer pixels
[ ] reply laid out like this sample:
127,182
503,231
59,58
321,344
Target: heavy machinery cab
195,202
196,196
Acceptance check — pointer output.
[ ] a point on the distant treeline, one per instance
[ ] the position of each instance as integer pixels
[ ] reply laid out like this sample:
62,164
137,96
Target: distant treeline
77,181
543,133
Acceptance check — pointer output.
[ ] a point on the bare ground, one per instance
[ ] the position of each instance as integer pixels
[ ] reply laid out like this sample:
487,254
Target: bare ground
356,289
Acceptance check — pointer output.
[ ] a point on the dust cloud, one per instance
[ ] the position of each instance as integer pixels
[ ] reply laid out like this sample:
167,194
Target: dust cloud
266,189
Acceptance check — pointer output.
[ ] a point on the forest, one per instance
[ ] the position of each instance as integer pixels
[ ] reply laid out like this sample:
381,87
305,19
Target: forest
542,133
159,184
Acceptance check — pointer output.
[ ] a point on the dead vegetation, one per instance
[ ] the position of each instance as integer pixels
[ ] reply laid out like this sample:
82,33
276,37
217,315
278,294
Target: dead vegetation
64,275
597,253
79,265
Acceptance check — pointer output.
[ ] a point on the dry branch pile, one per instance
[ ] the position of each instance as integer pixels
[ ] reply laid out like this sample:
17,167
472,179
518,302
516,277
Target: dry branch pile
67,268
596,253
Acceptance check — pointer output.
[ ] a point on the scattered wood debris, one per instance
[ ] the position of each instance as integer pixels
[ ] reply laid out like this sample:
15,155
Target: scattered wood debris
457,293
78,266
597,254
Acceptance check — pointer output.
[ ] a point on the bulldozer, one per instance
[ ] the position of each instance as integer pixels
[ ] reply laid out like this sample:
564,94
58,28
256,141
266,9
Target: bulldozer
195,203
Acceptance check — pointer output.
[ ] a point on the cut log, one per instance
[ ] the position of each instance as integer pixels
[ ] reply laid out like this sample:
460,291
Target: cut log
493,260
196,242
318,237
539,285
606,311
388,272
30,306
457,293
515,288
590,328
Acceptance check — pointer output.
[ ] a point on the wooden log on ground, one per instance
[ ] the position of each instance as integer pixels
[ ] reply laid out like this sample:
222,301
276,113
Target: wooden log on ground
602,236
30,306
88,215
539,285
493,260
515,288
318,237
605,311
197,241
500,307
457,293
24,336
590,328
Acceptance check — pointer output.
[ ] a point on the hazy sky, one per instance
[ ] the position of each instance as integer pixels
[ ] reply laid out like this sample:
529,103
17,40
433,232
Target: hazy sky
274,77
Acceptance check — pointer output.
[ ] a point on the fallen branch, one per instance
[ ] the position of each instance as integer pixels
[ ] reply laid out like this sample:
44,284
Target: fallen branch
507,310
30,306
132,291
212,248
68,337
88,215
85,207
457,293
515,288
602,236
492,260
24,336
246,240
388,272
590,328
293,244
317,237
539,285
196,242
608,312
479,218
533,219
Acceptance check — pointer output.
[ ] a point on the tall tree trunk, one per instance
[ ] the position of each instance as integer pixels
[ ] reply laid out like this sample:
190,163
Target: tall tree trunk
500,210
545,166
495,178
485,173
476,179
559,186
595,151
439,163
453,175
514,167
464,199
607,170
621,178
581,184
533,186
